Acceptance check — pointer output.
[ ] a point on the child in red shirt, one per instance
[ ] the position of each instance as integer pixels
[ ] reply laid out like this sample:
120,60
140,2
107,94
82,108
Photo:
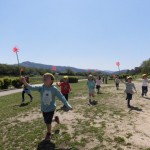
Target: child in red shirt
65,87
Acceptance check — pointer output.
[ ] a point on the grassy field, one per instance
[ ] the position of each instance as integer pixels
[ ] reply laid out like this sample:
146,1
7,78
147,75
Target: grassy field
96,127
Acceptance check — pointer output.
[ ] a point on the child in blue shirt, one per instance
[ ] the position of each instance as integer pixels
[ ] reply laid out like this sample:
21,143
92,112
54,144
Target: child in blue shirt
48,93
91,87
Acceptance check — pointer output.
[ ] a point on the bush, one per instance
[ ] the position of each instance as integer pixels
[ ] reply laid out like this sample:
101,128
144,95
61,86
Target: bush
16,83
73,79
5,84
1,83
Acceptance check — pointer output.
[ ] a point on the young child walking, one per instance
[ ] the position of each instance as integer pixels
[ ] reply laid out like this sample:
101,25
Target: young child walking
145,83
117,81
27,91
130,88
98,84
65,87
91,87
48,94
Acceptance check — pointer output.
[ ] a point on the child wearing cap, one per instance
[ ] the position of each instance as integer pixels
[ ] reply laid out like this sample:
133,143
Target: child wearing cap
145,82
26,90
130,88
48,94
65,87
91,87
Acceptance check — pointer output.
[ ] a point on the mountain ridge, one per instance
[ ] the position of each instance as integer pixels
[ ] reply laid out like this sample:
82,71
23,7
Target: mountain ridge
29,64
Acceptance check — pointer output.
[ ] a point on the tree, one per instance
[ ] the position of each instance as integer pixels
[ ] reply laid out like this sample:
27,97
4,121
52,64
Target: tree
68,71
145,66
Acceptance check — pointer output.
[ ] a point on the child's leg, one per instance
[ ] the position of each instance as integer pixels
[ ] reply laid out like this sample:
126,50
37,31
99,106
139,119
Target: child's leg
142,91
98,88
48,128
30,97
66,97
129,97
146,90
23,92
48,116
90,97
129,103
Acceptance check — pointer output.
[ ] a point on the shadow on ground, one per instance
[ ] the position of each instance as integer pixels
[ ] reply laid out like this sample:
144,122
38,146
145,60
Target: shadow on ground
135,108
148,98
22,104
48,145
93,102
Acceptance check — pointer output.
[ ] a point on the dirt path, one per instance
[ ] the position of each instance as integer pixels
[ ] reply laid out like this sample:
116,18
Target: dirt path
135,126
8,92
12,91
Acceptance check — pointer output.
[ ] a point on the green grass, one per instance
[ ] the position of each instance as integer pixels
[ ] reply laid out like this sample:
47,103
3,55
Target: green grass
90,126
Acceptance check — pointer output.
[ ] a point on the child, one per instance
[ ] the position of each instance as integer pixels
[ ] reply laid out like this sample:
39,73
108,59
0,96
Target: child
91,87
98,84
25,90
65,87
145,82
117,81
48,93
129,90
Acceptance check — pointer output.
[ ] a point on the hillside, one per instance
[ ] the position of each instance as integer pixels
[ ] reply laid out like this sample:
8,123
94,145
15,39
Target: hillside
29,64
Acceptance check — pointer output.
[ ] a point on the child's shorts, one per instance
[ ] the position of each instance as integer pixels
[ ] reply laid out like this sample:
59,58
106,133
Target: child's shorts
48,117
92,91
117,84
98,86
129,96
27,91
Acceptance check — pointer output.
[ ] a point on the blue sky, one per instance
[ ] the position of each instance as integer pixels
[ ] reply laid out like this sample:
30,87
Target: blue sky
89,34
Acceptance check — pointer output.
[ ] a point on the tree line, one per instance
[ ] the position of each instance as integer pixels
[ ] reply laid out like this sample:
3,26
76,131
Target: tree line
14,70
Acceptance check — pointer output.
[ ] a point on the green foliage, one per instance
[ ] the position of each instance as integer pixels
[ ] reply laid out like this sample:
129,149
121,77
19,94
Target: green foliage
69,71
5,83
1,83
145,66
73,79
16,83
119,140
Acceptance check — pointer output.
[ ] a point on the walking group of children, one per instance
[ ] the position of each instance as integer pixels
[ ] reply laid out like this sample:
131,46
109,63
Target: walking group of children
130,87
48,93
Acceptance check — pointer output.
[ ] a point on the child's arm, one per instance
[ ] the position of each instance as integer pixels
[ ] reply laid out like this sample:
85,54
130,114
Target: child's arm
134,88
64,101
70,88
28,86
23,80
58,84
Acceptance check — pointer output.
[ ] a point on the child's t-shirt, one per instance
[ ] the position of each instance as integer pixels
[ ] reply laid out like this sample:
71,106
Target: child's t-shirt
117,80
129,87
91,85
65,87
48,95
145,82
98,82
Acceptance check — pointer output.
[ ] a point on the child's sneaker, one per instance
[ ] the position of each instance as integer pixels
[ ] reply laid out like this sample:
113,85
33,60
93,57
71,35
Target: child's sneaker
57,119
48,136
